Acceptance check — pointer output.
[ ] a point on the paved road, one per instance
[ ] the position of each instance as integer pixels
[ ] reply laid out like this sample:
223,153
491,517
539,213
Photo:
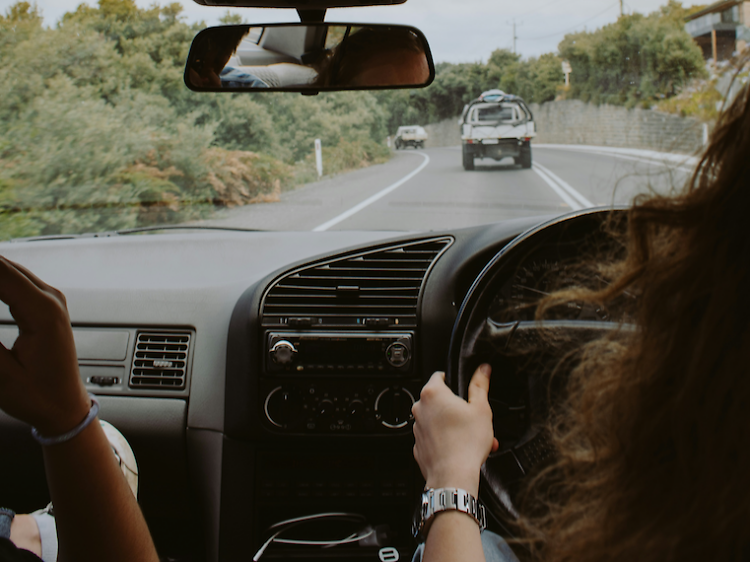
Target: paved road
428,189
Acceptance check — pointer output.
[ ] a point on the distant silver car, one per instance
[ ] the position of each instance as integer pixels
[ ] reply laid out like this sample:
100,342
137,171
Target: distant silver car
411,135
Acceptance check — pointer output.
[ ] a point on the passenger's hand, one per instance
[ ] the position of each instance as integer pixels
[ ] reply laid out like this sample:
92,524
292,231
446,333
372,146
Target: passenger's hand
39,379
453,437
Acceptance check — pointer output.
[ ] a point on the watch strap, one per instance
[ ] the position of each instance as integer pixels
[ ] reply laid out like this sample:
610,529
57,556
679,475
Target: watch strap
436,500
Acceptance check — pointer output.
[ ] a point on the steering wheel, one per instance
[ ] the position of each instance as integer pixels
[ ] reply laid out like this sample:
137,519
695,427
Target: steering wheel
495,325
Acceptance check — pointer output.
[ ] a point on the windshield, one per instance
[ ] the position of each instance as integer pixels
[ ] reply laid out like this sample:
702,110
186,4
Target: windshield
100,133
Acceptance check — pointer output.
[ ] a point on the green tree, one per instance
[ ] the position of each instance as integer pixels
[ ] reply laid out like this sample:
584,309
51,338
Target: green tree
636,59
99,132
231,19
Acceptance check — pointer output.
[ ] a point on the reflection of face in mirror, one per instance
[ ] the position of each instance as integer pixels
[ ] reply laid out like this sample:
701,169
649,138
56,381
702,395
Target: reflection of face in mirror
308,57
210,54
377,56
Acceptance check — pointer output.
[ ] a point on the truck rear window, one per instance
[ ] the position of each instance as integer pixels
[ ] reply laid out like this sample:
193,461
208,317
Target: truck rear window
495,113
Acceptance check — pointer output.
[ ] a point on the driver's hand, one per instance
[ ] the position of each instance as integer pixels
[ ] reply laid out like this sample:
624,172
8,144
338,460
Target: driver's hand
39,379
452,437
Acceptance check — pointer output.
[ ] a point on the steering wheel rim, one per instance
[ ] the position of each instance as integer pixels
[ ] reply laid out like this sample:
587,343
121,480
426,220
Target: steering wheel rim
477,338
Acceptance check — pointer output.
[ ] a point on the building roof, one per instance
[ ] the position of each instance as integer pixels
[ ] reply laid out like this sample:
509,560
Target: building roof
719,6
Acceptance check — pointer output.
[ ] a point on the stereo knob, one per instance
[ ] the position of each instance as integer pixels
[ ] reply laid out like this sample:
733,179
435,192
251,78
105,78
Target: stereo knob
393,407
282,352
355,411
325,412
325,408
397,354
282,407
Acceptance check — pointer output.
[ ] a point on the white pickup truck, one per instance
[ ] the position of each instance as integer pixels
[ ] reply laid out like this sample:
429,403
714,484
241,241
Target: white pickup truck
412,135
497,125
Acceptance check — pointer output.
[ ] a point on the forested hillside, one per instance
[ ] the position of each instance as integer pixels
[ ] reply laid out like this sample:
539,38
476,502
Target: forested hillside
638,59
98,131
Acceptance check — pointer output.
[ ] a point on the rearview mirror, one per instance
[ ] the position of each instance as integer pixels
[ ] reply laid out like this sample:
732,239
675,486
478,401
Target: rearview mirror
308,58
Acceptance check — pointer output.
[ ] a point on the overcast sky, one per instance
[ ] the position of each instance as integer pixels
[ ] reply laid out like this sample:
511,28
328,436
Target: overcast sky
458,30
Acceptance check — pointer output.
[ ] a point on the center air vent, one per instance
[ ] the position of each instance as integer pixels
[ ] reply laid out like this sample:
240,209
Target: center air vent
160,360
373,289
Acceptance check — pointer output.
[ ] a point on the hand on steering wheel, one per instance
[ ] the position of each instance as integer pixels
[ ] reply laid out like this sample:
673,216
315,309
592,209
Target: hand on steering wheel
453,437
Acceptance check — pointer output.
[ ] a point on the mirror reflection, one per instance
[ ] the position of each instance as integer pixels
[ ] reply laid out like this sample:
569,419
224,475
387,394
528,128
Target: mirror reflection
313,57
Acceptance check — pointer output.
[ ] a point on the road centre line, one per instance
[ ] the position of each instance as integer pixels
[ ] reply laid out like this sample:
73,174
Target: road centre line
572,203
370,200
566,186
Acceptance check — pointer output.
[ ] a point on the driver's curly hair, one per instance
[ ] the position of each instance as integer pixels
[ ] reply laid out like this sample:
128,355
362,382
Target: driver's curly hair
654,434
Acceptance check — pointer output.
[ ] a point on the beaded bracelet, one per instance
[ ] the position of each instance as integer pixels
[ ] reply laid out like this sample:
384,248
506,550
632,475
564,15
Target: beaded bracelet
47,441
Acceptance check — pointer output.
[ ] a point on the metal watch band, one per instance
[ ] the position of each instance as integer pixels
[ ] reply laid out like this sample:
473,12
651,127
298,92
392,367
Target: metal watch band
436,500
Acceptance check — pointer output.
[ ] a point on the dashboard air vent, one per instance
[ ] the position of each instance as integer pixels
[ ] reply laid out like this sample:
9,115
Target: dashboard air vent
371,289
160,360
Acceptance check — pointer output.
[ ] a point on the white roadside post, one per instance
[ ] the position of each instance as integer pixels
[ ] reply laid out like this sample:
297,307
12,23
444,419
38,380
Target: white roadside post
319,157
567,70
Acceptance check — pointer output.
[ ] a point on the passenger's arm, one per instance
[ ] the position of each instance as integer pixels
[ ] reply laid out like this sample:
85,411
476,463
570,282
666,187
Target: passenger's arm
97,517
452,440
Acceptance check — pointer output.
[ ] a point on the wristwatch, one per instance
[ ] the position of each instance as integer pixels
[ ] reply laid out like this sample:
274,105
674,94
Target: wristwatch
436,500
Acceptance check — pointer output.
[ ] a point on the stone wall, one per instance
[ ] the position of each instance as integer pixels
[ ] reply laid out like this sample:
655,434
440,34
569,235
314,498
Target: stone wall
443,133
576,122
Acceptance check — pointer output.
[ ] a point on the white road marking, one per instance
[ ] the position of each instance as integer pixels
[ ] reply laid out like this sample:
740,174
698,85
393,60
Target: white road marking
566,186
370,200
669,165
681,161
557,189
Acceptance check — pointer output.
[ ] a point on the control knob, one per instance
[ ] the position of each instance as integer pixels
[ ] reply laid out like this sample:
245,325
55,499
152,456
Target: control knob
283,352
282,407
355,412
393,407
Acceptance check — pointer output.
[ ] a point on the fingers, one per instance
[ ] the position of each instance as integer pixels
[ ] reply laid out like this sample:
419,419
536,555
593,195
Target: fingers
437,379
21,294
480,383
38,282
7,363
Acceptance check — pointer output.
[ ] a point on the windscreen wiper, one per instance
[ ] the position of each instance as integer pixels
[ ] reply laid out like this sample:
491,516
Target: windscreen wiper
183,227
126,231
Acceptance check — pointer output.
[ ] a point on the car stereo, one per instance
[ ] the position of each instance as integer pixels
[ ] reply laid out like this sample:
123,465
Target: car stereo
346,353
339,382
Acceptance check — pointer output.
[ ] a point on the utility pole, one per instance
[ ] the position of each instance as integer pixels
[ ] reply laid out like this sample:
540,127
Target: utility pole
622,10
515,37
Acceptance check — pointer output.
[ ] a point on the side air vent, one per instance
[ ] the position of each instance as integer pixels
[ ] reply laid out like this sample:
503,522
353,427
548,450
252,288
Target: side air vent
373,289
160,360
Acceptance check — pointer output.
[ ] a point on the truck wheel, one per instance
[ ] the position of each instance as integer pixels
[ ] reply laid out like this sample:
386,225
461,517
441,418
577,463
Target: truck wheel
525,158
468,160
397,144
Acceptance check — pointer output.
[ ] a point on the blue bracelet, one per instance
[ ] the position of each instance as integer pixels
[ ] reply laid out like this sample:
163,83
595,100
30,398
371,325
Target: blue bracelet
46,441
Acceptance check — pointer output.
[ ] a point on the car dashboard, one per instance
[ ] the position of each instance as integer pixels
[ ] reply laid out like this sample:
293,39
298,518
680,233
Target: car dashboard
259,376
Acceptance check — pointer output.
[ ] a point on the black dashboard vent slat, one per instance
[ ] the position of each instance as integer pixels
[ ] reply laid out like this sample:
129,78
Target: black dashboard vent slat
160,360
381,283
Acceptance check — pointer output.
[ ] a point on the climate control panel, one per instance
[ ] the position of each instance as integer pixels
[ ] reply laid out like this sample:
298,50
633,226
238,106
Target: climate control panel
329,407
